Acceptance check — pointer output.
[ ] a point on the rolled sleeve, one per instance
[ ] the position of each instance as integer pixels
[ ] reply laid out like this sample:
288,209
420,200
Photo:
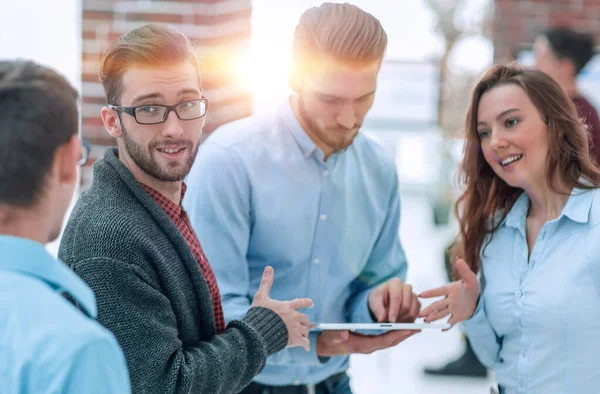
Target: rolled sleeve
482,336
360,309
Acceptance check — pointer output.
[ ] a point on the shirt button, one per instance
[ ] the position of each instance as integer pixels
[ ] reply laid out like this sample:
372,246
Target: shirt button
521,383
519,294
316,261
325,173
296,382
323,217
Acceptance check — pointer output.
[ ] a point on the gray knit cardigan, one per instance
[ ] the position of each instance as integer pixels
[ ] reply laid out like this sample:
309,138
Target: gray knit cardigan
152,295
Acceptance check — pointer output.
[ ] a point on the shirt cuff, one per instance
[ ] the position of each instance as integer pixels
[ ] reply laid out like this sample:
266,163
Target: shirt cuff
362,314
303,357
471,324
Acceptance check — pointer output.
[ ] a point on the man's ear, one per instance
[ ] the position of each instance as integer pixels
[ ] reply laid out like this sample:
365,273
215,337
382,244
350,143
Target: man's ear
66,159
111,121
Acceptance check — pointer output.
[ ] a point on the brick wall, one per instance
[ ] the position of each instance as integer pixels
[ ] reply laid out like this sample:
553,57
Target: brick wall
517,22
220,30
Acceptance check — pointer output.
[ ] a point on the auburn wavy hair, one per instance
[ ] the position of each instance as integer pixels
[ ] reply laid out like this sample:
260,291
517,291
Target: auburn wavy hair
487,199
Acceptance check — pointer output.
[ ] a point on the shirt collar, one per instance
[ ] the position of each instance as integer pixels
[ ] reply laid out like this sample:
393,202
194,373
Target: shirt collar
577,208
172,210
291,123
579,205
518,211
31,258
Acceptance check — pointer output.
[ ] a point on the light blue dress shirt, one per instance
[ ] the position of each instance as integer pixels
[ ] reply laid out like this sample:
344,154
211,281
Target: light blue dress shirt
260,194
47,345
538,320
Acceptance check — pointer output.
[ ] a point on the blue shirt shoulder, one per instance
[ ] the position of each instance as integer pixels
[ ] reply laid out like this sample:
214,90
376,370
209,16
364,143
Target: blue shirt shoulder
594,213
252,130
277,135
47,344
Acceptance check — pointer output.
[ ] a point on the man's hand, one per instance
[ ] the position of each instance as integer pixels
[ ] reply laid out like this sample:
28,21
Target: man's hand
337,343
298,324
394,302
460,299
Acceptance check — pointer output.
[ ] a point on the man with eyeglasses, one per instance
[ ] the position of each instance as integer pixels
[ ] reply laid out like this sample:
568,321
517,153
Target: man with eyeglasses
47,345
130,239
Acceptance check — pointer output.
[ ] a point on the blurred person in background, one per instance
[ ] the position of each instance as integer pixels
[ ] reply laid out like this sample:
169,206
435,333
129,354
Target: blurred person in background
130,240
303,190
562,53
530,226
47,345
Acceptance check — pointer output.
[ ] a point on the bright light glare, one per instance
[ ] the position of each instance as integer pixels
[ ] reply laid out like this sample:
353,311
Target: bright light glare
264,72
472,54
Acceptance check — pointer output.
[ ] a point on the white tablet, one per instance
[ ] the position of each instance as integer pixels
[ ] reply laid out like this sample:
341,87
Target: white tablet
379,326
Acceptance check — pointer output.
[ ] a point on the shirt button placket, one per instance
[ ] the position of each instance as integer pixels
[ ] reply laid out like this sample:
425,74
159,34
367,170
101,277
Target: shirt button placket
316,269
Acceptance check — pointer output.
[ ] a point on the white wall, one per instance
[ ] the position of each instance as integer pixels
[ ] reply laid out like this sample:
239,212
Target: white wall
46,31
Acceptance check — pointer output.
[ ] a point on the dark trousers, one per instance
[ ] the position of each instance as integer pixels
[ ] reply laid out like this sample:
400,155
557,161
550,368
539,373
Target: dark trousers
328,386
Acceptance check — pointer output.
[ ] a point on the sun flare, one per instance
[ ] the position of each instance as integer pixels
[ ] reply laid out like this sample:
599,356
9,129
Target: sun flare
264,72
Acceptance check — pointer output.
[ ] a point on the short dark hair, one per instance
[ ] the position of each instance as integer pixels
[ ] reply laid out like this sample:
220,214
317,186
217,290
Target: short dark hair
39,114
569,44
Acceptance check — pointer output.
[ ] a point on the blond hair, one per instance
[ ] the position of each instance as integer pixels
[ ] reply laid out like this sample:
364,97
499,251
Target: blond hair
339,33
148,45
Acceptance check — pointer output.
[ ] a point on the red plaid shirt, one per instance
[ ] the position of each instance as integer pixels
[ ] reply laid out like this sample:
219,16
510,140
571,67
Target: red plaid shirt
180,218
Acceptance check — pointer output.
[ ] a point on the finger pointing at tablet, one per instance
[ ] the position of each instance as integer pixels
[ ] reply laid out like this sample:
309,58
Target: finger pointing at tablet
394,301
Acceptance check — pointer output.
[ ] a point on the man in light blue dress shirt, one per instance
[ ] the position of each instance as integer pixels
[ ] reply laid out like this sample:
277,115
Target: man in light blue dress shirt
302,190
47,345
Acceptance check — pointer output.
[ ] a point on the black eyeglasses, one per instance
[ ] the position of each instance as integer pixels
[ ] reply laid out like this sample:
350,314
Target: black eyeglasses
154,114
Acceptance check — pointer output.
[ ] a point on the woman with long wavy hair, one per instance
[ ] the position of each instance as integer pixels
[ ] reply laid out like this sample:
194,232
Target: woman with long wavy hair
530,228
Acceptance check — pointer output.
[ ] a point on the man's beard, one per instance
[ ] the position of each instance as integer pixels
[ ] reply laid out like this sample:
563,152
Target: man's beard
145,161
321,133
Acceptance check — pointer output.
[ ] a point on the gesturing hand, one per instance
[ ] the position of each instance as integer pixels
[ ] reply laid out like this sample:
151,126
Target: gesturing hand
298,324
460,299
